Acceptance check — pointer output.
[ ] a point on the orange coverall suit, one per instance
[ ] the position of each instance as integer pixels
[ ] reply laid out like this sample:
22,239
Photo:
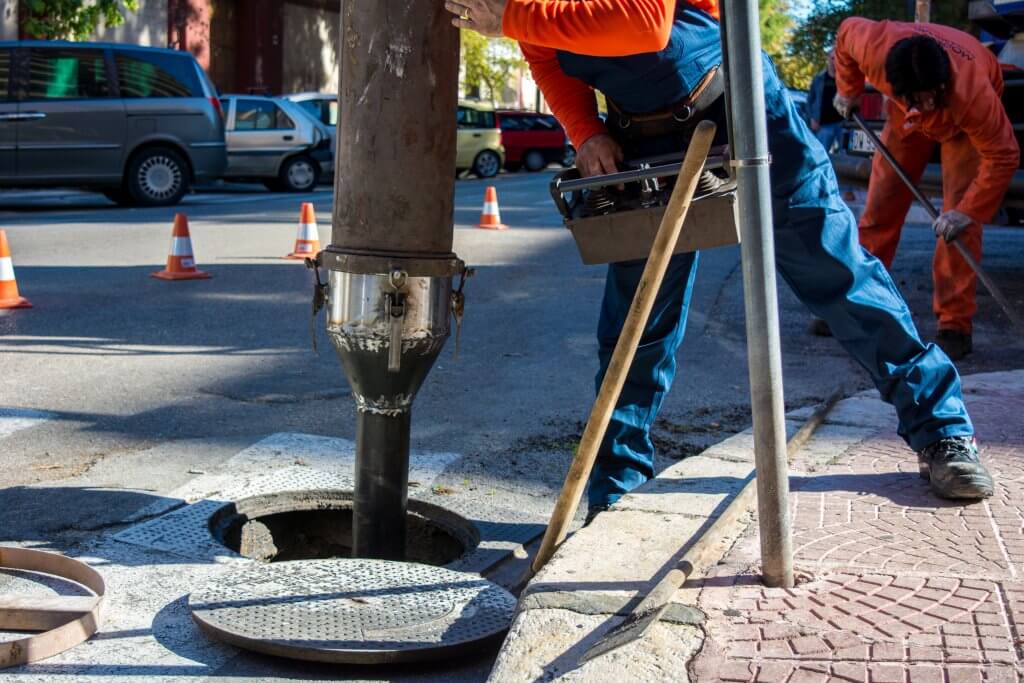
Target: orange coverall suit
979,151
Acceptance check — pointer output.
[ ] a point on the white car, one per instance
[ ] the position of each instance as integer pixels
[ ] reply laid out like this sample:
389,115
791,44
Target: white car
322,106
273,141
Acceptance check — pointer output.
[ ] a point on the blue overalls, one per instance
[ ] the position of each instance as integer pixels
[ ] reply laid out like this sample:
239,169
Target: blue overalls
817,253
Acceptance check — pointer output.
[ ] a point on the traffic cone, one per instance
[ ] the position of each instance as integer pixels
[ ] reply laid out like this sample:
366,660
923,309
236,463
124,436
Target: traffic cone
181,265
307,242
9,297
490,218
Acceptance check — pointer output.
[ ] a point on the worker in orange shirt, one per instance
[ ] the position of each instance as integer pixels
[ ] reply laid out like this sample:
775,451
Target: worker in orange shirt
657,62
943,87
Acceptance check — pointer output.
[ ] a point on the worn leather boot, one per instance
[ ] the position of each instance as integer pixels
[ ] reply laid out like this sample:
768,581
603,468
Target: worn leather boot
955,343
954,469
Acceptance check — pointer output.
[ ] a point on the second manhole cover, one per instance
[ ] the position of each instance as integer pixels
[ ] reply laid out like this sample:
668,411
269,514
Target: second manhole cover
353,611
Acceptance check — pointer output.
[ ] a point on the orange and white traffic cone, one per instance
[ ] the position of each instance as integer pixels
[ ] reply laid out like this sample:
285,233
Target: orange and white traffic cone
181,264
490,218
307,242
9,297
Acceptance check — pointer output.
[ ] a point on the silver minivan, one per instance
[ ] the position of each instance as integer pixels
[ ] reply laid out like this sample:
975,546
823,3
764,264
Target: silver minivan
139,124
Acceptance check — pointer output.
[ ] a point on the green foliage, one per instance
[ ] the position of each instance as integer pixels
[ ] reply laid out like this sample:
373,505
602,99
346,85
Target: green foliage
74,19
776,29
814,37
487,64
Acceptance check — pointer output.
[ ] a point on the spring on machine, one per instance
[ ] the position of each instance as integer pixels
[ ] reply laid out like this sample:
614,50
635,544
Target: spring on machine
598,202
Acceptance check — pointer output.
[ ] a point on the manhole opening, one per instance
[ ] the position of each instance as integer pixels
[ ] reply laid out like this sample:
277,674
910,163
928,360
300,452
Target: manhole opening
317,525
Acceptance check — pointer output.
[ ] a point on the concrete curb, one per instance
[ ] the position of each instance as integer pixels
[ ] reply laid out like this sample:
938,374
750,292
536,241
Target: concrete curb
597,575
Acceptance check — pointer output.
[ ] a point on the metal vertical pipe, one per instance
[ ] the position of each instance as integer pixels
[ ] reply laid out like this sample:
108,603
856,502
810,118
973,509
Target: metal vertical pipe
381,486
742,50
390,257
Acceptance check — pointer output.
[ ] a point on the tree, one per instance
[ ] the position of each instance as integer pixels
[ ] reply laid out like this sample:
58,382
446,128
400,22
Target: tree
776,28
487,64
74,19
816,34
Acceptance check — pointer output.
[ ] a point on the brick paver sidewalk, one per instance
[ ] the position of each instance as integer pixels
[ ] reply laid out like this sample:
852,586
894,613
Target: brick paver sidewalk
896,586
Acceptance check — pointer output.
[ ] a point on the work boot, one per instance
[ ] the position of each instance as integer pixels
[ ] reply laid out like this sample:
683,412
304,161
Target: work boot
819,328
593,511
954,469
955,343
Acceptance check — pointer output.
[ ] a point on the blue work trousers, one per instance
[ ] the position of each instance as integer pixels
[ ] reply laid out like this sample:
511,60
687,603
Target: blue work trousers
818,254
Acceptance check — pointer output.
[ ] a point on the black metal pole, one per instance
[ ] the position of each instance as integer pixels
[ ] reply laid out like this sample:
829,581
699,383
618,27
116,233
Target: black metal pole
382,480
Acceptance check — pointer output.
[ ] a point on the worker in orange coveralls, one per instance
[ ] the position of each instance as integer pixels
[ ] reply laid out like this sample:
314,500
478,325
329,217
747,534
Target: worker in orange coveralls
943,87
657,62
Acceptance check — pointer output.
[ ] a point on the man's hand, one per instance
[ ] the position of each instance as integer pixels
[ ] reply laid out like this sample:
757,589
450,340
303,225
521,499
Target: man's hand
950,224
846,105
815,126
482,16
599,155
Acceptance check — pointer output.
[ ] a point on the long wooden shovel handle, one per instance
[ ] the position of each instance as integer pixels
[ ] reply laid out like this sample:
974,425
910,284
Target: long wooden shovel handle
625,347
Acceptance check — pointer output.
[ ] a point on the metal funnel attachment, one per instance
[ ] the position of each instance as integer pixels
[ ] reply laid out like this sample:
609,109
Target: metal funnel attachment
388,330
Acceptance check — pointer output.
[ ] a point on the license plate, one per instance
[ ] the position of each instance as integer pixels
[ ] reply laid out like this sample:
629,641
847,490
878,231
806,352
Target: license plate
861,143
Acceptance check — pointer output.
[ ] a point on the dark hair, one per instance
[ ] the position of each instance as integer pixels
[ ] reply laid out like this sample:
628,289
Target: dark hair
917,64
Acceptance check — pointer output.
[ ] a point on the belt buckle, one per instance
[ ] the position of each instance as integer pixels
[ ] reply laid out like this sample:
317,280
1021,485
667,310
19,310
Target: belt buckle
683,114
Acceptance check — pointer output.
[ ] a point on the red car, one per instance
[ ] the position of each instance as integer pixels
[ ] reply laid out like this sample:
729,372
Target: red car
533,140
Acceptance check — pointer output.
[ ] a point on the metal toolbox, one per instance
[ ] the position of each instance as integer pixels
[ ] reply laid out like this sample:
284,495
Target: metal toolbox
615,217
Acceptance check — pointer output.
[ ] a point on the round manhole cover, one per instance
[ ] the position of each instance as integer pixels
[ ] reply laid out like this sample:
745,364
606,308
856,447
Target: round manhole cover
353,611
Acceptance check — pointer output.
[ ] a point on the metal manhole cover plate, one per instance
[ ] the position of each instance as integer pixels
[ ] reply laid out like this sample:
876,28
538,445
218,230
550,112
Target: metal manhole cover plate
353,611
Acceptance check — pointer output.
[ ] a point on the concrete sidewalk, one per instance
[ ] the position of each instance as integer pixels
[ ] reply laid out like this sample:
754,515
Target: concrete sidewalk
894,586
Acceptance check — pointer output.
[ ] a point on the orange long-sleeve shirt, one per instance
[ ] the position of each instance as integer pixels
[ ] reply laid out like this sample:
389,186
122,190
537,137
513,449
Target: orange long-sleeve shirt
602,28
973,105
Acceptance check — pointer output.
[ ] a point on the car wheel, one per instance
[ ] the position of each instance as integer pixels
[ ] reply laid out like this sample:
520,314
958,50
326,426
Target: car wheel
299,174
534,161
569,159
157,177
487,164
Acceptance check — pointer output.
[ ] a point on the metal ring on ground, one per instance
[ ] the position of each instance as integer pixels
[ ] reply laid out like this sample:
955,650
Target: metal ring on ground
69,621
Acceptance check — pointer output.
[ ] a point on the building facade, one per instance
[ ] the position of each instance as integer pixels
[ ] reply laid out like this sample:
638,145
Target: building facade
254,46
240,43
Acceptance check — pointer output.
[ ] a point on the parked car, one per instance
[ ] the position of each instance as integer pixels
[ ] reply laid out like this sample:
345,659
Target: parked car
140,125
273,141
533,140
479,140
321,106
852,159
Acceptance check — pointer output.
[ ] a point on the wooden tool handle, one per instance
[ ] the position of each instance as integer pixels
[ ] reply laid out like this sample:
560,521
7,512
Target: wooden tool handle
625,347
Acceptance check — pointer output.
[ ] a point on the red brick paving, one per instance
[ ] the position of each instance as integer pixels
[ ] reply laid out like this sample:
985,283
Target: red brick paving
899,587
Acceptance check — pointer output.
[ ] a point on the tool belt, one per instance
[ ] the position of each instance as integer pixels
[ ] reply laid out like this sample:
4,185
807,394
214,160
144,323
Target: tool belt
681,117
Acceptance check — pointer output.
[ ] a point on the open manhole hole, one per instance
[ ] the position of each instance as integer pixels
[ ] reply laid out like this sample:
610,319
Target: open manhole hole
317,525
